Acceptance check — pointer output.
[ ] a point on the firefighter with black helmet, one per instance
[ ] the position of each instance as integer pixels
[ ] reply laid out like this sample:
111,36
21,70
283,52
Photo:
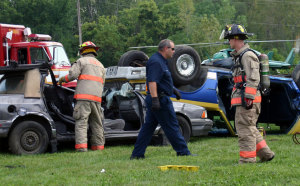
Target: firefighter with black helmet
90,75
246,96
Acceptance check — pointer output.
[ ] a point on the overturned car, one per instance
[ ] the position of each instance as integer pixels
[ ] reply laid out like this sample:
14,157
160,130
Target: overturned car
210,85
35,116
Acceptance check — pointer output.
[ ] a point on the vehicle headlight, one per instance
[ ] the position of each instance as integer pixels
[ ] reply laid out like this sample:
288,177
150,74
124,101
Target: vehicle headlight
137,87
143,87
140,87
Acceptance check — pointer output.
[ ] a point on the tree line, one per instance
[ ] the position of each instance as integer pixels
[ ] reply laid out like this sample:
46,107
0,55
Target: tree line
116,25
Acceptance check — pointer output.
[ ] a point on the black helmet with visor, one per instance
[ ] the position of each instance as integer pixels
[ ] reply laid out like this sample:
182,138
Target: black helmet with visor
234,31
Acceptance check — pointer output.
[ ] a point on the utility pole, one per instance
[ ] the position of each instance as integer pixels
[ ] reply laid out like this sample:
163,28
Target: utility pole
79,22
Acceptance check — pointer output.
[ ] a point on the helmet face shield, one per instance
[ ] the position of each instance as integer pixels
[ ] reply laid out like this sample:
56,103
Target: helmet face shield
222,35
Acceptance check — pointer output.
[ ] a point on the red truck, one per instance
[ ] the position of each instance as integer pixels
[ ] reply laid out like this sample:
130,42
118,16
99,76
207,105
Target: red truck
20,46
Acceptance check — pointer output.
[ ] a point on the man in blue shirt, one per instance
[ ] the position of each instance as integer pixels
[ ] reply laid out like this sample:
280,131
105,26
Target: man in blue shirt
160,109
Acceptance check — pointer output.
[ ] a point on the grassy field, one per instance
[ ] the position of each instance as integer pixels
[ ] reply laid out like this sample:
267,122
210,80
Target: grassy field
217,158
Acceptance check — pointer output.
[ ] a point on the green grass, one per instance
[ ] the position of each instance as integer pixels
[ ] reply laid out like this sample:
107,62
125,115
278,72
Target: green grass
217,158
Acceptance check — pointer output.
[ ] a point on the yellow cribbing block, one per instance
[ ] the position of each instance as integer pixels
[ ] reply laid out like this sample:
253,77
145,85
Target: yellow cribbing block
178,167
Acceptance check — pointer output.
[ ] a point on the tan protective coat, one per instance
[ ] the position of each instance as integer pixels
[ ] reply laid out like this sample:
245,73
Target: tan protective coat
251,143
91,74
250,64
87,65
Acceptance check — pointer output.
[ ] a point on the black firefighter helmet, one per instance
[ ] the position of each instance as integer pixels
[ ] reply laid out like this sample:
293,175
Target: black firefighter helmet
234,31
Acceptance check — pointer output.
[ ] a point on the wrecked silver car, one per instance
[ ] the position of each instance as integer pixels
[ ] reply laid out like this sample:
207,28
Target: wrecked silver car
35,116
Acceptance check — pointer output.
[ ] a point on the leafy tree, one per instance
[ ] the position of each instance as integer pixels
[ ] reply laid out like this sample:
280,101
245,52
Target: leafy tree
116,25
9,13
53,17
92,9
185,15
104,33
141,25
272,20
171,23
206,29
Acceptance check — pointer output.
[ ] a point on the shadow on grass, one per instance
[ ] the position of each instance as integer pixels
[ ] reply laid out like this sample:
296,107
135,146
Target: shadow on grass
4,146
208,138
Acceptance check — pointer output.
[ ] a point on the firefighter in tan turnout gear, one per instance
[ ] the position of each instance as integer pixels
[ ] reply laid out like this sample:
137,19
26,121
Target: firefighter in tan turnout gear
246,96
90,74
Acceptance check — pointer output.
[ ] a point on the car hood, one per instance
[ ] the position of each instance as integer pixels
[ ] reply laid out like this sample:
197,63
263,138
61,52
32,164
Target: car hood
188,109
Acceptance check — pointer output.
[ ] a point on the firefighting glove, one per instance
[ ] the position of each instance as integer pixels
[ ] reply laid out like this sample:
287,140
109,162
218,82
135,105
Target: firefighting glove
61,80
249,103
155,103
177,94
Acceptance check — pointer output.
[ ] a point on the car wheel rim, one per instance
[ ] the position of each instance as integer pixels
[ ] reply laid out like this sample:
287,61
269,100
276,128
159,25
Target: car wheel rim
30,141
185,65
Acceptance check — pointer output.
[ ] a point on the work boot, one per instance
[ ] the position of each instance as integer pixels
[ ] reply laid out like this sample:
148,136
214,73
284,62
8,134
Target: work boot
245,162
265,155
266,160
180,154
81,150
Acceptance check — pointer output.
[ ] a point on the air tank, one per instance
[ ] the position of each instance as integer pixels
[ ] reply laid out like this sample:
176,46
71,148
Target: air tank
264,74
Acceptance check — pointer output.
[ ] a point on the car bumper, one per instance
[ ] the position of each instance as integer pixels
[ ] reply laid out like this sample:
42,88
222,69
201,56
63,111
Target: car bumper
201,127
4,128
4,132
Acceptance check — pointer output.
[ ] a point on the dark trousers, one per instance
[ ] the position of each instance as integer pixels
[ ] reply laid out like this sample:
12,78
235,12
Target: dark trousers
166,117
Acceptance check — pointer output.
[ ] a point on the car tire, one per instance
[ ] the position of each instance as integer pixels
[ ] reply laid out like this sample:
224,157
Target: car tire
133,58
28,137
296,75
184,128
184,65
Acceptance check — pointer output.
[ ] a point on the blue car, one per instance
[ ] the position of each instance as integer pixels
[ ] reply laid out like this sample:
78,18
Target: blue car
213,91
209,85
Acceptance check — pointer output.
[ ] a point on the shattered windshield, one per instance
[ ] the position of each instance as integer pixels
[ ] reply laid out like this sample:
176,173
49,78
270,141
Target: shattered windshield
60,58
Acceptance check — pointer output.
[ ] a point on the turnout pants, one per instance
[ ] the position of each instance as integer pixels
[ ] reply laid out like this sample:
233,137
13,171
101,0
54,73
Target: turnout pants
250,141
166,117
88,114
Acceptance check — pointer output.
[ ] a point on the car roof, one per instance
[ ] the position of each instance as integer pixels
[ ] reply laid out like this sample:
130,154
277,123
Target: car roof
23,68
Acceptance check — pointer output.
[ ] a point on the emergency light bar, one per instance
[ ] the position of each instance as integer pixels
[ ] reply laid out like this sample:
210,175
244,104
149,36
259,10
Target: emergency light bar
39,37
